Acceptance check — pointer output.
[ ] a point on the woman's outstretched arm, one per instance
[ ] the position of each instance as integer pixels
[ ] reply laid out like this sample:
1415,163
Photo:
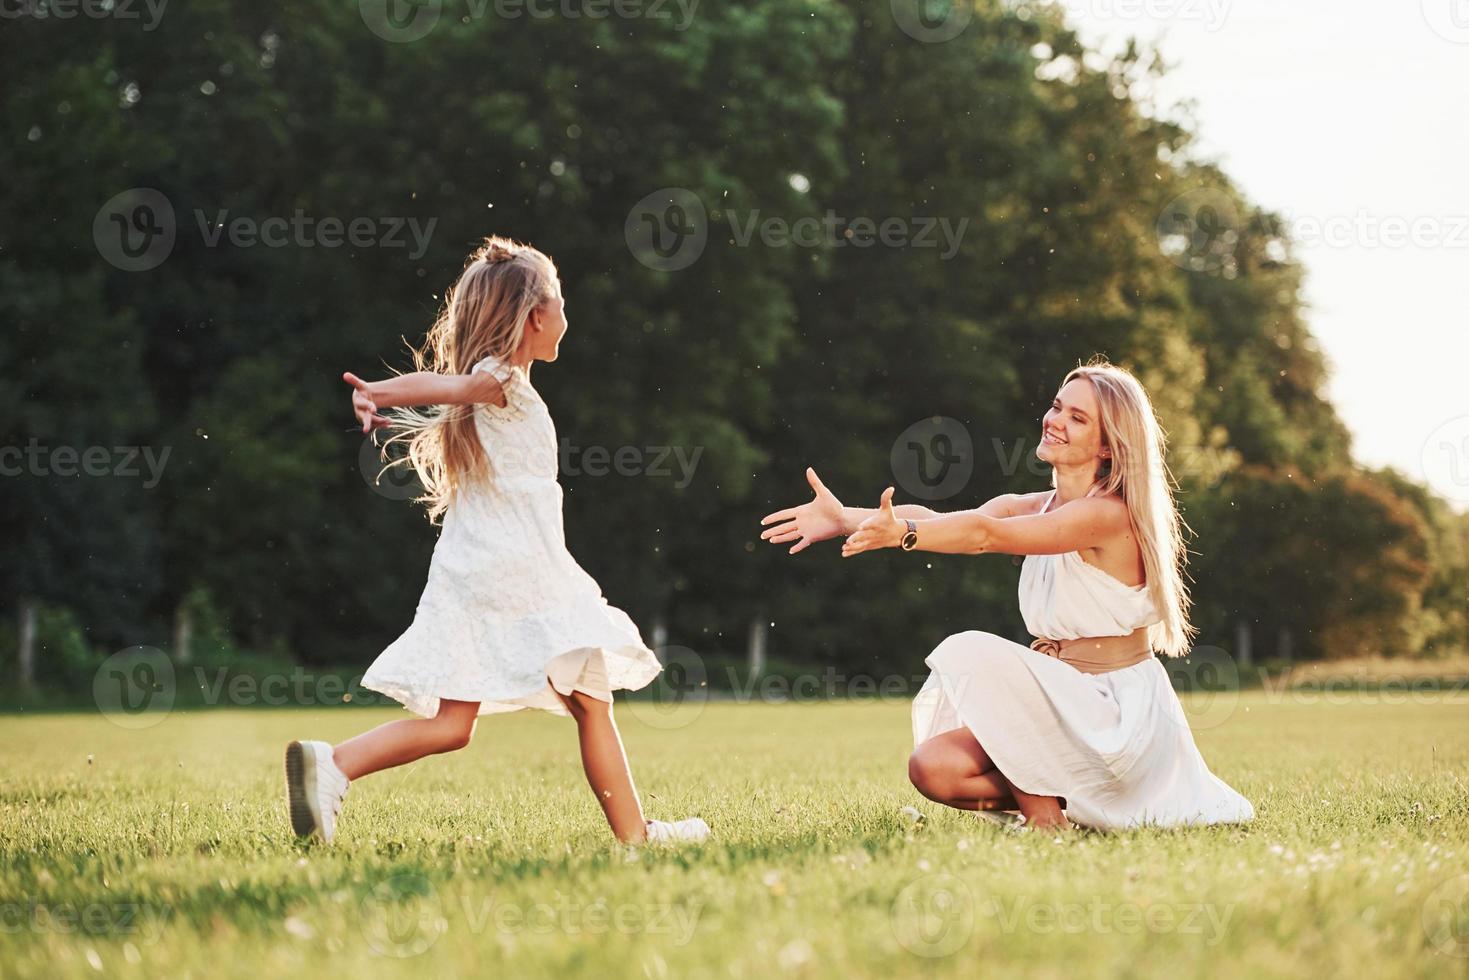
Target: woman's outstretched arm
824,516
1083,523
419,388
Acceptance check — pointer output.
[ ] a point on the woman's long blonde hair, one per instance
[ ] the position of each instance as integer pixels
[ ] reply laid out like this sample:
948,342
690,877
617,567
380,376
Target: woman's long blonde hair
1139,474
484,314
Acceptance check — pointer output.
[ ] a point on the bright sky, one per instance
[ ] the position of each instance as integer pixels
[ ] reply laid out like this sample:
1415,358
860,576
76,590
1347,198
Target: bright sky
1351,117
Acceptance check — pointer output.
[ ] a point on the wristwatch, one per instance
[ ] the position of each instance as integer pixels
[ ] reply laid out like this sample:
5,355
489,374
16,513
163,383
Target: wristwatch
910,540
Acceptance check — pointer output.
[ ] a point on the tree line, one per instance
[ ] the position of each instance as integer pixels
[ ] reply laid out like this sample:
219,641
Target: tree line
791,233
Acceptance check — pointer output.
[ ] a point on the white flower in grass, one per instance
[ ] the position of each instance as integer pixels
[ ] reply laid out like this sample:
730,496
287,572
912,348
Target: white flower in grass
795,954
299,928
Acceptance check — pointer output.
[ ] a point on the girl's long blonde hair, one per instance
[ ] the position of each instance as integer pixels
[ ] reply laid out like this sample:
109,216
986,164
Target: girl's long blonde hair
1138,473
484,314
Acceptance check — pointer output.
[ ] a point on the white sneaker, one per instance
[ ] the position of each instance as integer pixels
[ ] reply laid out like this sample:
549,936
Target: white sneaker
315,788
690,831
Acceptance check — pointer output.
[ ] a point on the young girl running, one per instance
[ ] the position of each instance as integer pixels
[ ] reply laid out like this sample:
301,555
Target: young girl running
508,619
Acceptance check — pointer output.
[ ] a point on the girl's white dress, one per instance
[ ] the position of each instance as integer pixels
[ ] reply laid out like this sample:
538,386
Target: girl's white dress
508,617
1117,746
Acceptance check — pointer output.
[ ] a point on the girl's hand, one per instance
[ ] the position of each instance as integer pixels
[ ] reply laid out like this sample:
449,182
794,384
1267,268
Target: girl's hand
363,404
881,530
809,523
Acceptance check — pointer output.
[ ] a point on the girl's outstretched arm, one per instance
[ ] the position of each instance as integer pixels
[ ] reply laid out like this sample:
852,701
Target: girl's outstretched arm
419,388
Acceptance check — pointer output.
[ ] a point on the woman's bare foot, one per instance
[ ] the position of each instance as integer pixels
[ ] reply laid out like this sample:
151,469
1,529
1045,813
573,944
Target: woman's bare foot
1047,822
1042,812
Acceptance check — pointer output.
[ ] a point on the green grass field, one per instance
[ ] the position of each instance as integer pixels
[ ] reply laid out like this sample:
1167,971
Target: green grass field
165,851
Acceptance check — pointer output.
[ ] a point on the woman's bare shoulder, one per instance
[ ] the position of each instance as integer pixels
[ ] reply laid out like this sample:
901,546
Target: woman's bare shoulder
1027,504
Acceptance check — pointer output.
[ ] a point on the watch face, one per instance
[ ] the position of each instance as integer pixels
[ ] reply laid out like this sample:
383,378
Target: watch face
910,540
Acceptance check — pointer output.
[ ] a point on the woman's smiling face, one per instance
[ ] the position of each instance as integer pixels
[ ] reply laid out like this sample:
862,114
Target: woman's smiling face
1071,431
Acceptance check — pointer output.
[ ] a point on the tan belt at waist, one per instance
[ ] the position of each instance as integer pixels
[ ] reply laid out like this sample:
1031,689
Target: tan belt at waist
1099,654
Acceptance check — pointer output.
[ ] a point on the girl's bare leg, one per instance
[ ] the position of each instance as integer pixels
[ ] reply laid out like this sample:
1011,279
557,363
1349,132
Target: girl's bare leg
954,769
401,742
605,762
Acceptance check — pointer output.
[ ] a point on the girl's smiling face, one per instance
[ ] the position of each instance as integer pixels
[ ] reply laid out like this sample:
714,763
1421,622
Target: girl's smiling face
1071,431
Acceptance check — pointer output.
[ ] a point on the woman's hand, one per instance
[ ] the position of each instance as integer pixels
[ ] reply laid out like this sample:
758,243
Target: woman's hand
809,523
881,530
364,406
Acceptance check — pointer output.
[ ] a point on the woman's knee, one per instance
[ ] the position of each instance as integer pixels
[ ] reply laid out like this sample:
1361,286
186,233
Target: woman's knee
928,773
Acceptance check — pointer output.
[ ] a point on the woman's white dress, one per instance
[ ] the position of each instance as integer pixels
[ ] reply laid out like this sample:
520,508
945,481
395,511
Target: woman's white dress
508,617
1117,746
